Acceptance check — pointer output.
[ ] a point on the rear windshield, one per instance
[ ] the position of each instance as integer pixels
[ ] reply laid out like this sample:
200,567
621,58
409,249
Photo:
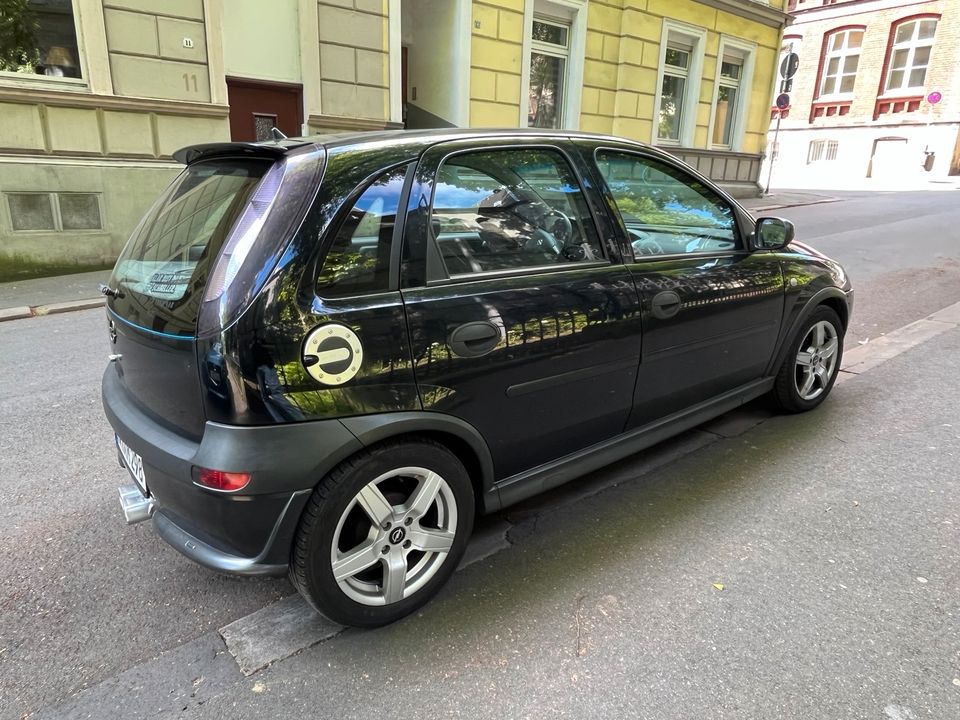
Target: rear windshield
164,267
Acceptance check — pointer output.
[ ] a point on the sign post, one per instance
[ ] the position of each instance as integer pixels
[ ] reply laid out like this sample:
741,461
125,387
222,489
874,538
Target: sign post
933,97
783,102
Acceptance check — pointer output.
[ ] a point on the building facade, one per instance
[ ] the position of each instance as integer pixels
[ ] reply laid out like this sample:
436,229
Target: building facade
876,94
96,95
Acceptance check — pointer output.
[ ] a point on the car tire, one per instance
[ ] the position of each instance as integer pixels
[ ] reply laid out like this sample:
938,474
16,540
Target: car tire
382,532
810,367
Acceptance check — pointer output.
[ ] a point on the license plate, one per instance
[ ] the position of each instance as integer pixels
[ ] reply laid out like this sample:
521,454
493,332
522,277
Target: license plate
134,465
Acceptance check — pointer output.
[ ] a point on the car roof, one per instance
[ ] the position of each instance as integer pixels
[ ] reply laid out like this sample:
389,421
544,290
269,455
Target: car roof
415,140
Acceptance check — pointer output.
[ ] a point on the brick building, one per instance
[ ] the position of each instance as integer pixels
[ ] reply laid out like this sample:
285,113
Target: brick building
860,102
95,95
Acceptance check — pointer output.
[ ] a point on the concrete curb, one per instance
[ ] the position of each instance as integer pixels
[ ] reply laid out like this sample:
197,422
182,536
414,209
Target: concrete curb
865,357
21,312
764,208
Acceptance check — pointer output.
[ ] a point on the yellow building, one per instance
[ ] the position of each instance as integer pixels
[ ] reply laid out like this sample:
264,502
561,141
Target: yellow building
95,95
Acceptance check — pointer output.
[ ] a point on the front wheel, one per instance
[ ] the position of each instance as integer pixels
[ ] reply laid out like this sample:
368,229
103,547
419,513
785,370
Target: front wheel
383,532
811,366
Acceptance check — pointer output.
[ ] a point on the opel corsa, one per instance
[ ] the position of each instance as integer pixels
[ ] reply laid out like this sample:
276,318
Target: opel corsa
328,355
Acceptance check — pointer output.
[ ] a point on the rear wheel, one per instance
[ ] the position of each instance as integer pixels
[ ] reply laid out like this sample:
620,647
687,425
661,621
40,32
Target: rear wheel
810,368
382,532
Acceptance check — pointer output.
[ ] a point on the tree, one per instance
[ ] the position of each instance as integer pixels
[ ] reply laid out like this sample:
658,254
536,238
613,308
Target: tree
18,45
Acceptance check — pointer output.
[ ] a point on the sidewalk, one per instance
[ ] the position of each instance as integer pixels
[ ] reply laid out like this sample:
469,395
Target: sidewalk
785,198
45,296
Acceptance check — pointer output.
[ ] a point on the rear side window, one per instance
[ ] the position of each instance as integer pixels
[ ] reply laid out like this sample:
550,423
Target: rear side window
167,260
498,210
358,260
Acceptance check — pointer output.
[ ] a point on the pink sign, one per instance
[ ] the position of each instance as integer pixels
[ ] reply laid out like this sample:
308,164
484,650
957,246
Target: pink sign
934,97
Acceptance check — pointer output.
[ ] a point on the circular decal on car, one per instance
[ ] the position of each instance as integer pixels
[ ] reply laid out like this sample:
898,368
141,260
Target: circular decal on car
332,354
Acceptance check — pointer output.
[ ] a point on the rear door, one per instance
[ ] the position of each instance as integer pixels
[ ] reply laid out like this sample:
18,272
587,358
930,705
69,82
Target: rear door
711,308
160,281
521,321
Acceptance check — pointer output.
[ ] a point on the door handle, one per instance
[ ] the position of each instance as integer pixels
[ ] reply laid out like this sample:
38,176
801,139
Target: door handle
666,304
474,339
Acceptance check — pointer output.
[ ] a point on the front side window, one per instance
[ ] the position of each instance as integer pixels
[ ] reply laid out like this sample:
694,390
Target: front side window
728,97
511,209
910,55
550,51
676,66
39,37
840,62
665,210
359,256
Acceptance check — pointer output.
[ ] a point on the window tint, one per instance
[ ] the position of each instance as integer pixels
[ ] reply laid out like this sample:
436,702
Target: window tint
359,257
665,210
504,209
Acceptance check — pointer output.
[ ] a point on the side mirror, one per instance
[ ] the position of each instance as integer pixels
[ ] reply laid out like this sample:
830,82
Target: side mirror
772,233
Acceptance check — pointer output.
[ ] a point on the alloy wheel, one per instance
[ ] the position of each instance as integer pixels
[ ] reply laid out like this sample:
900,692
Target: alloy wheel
816,360
393,536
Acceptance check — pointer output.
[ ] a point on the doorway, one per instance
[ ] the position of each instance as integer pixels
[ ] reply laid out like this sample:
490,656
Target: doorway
257,106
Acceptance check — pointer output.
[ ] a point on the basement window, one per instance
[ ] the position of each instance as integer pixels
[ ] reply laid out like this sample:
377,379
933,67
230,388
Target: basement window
54,212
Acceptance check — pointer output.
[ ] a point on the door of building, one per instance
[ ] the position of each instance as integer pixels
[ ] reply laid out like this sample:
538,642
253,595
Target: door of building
256,107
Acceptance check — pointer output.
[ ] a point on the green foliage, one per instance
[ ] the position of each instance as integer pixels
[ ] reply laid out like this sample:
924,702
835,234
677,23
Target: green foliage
18,28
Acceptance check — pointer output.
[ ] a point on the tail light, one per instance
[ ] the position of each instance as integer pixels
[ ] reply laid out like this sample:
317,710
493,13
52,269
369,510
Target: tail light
221,479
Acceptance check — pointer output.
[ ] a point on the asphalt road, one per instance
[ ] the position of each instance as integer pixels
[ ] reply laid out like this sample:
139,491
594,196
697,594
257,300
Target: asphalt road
83,597
901,250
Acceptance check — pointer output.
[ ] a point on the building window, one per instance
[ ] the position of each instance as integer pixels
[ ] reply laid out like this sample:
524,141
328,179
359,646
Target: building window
678,86
820,150
840,61
728,91
39,37
734,76
676,66
54,212
912,42
550,51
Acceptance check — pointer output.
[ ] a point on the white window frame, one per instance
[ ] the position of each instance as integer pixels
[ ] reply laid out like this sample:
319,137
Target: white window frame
572,13
746,52
92,56
911,46
696,38
842,54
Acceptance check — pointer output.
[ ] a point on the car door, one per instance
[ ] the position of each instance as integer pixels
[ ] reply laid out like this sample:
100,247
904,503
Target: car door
521,323
711,308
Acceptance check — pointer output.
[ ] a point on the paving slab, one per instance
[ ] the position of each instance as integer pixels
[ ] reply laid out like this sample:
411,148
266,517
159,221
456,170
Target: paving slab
276,632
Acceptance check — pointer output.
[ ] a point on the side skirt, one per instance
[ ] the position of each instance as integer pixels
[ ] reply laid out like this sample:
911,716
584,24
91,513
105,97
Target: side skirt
545,477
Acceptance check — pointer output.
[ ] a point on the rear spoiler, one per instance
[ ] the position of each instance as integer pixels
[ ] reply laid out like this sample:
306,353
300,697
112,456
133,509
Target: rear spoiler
273,150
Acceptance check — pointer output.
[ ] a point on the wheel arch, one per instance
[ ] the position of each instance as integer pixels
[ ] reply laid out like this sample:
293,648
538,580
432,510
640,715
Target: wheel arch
831,297
458,436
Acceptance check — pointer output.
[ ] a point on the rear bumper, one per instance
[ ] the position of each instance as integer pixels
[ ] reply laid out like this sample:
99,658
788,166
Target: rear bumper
245,534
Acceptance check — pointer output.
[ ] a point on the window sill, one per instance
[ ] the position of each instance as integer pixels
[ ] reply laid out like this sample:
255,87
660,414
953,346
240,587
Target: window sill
43,82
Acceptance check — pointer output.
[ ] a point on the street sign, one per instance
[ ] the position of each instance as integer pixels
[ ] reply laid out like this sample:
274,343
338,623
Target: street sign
783,101
934,97
786,86
789,65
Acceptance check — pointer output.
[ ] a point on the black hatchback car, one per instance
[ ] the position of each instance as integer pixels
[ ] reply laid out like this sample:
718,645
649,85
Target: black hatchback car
330,354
